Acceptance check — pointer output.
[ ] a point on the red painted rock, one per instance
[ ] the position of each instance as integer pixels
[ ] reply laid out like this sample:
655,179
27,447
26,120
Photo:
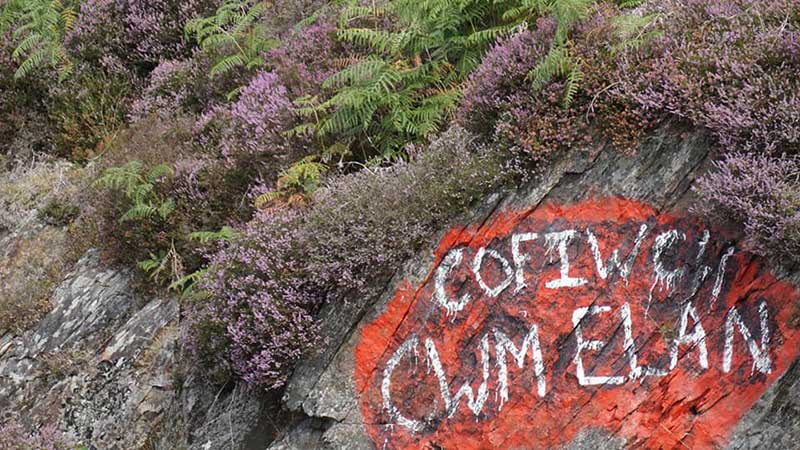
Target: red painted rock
603,314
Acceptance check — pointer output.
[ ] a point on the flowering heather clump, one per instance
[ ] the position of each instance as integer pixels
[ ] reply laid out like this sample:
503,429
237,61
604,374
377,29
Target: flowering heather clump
306,57
136,34
728,65
266,285
157,26
499,85
255,123
166,91
24,126
14,437
763,193
366,224
260,301
499,101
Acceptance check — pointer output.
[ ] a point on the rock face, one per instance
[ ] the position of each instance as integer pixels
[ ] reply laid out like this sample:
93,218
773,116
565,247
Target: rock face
93,364
103,366
590,310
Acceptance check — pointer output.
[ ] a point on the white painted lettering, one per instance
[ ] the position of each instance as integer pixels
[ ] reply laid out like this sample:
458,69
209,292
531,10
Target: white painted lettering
761,358
504,344
661,276
612,263
476,268
449,262
697,337
474,402
519,258
723,262
562,240
386,385
583,379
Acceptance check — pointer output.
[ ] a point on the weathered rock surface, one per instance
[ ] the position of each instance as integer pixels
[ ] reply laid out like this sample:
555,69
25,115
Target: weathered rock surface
104,364
660,176
104,368
96,363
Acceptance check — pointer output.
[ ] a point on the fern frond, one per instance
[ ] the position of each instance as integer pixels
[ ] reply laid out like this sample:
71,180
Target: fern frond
266,198
225,233
574,79
138,211
554,64
184,285
159,171
624,4
166,208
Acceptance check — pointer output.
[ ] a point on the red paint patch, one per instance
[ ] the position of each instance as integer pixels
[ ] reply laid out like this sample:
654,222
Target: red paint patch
691,405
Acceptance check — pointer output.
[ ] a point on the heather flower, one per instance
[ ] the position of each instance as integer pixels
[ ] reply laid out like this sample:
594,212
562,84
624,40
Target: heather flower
500,83
166,91
728,65
139,33
186,183
254,124
761,192
498,100
266,286
305,59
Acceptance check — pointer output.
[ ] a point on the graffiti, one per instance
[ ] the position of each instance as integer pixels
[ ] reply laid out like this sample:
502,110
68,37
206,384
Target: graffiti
538,324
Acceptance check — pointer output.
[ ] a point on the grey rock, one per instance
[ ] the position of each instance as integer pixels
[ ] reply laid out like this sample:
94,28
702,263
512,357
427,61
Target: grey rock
661,174
105,365
774,421
96,364
594,439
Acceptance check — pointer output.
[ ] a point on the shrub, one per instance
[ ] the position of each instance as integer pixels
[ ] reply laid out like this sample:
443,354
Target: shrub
728,65
404,79
133,211
133,35
39,27
86,110
264,288
234,37
24,126
254,125
501,102
762,193
167,90
306,57
502,75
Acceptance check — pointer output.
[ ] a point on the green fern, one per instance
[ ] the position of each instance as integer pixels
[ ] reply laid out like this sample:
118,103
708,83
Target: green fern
634,30
185,284
164,264
559,63
409,84
138,187
295,184
234,36
225,233
39,28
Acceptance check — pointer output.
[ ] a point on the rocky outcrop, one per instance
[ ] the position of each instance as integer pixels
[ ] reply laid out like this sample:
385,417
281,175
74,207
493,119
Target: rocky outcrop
590,309
103,366
377,386
97,364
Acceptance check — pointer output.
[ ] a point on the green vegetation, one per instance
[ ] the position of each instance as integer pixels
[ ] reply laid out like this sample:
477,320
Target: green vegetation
234,36
40,27
266,158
